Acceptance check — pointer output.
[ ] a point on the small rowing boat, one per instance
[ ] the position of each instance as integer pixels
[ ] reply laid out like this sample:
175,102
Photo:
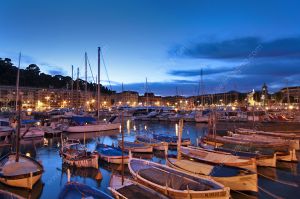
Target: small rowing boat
111,154
236,178
172,139
136,147
156,144
75,190
131,189
264,160
175,183
75,154
219,157
23,173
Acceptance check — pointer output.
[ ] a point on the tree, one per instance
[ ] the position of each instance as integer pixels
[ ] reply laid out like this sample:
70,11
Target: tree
34,69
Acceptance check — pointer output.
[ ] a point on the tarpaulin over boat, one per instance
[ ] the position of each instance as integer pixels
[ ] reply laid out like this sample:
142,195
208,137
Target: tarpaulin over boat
83,120
29,121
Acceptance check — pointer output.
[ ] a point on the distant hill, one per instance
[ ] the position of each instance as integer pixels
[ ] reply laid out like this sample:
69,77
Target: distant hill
31,76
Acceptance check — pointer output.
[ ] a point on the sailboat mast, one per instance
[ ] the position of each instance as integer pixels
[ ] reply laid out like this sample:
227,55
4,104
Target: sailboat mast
202,89
147,97
85,85
179,139
78,94
19,111
122,126
72,88
98,91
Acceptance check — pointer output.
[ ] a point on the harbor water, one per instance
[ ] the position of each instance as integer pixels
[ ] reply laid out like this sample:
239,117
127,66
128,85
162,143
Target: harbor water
280,182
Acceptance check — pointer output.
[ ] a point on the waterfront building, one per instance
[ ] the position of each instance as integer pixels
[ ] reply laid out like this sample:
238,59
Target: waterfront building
125,98
150,99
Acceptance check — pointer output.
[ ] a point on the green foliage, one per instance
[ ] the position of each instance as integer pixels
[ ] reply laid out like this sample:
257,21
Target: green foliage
31,76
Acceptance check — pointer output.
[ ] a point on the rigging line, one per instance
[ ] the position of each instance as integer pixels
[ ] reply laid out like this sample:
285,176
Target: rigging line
105,70
91,69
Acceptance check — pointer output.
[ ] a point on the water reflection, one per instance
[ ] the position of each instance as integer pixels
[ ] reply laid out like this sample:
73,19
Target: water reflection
54,177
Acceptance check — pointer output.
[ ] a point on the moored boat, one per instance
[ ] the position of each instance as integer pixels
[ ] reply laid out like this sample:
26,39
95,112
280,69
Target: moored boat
218,157
111,154
136,147
9,195
172,139
131,189
75,190
265,160
233,177
175,183
23,173
156,144
75,154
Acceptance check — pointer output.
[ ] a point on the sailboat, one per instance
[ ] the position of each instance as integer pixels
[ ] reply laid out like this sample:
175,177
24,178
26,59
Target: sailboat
88,124
16,169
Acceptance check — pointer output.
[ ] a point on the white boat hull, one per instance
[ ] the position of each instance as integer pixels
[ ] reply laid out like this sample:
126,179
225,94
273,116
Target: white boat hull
93,128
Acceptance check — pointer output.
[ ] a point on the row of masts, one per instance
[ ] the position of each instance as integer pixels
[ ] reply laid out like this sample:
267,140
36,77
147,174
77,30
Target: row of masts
86,82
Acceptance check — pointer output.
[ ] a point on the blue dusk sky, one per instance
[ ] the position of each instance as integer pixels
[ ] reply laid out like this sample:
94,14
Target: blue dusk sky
239,45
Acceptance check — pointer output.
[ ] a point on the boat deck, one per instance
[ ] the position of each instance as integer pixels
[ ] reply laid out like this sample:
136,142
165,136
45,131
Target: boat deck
10,167
173,179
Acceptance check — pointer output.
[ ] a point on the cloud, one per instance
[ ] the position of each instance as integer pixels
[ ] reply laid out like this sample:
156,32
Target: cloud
55,70
239,48
197,72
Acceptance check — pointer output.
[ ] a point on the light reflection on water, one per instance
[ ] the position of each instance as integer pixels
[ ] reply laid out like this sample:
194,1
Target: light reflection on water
54,177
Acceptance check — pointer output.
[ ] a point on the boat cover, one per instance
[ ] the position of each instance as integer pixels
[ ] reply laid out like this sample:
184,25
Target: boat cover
82,120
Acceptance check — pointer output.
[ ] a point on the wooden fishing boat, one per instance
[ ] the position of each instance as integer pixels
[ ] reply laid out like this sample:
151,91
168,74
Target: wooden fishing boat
9,195
264,160
77,155
131,189
233,177
172,140
175,183
287,156
136,147
218,157
75,190
23,173
219,141
292,144
156,144
285,135
111,154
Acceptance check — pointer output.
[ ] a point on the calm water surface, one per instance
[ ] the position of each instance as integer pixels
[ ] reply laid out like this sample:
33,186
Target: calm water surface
280,182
